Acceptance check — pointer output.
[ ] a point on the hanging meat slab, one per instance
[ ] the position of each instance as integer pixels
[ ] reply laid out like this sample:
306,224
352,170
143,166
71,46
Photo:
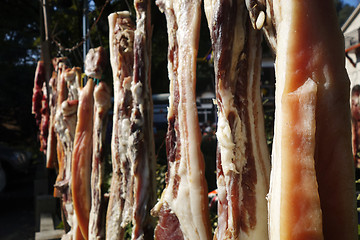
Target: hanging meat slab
37,91
67,87
183,207
132,192
120,208
312,180
142,137
51,160
102,99
60,128
243,162
51,157
81,158
40,106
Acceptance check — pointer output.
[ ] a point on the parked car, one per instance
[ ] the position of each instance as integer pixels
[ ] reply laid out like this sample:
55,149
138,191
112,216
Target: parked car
160,103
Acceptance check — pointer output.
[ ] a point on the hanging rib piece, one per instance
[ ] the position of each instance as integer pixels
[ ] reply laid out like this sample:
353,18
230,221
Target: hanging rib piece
132,191
243,164
183,207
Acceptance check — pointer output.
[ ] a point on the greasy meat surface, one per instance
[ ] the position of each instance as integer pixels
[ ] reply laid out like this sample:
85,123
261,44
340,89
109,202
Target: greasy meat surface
312,181
184,199
81,158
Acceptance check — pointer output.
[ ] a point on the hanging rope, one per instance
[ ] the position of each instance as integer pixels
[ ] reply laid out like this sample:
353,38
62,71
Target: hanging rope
62,48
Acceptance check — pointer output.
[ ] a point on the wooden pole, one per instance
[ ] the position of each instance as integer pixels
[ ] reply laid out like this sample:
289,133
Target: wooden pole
45,45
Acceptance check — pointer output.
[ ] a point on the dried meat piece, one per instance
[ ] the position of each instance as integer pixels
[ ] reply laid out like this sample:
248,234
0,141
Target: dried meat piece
120,208
312,179
51,160
184,199
102,103
40,106
81,158
243,163
141,137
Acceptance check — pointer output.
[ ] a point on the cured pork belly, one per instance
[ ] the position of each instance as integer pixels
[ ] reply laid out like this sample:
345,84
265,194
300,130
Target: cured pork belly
51,157
102,99
312,192
67,87
132,192
81,158
66,118
141,136
183,207
120,208
60,127
243,163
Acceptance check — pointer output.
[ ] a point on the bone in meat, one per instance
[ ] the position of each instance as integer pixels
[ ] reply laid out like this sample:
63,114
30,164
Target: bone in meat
121,37
81,158
243,163
312,180
261,13
102,103
183,207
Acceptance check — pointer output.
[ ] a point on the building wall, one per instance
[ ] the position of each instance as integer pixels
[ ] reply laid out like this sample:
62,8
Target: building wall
351,31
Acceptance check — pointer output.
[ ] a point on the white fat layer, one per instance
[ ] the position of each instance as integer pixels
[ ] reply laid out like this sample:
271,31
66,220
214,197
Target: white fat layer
209,6
137,94
112,18
188,205
260,151
112,224
232,148
118,216
233,144
282,13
